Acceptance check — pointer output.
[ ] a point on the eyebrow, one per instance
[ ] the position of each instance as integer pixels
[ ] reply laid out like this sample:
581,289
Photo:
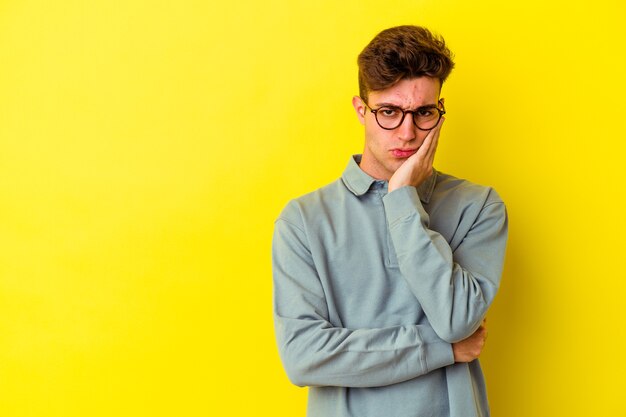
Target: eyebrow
425,106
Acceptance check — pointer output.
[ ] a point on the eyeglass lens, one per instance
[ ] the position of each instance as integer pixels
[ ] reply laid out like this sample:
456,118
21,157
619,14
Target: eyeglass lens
391,117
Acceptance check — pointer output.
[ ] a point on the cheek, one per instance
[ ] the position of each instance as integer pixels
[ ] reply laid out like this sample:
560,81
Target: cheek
371,139
379,139
376,144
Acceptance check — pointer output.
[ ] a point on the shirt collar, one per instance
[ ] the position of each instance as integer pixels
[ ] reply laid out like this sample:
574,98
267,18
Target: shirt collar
358,182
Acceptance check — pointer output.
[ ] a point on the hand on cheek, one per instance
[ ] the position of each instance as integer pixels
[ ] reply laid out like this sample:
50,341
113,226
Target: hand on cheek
417,168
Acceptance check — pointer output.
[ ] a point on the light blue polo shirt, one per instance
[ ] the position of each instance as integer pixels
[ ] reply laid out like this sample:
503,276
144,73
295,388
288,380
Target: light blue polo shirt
371,288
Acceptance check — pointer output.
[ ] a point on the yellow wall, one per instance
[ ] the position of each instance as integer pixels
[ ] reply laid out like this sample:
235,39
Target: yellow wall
146,148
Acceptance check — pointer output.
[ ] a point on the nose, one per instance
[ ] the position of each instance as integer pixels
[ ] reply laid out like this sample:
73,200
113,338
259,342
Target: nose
406,130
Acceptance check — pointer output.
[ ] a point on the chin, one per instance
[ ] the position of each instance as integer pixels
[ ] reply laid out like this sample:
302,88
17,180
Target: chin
394,165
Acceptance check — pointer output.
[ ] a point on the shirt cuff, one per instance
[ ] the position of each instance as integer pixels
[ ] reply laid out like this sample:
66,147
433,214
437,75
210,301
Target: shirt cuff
403,202
437,353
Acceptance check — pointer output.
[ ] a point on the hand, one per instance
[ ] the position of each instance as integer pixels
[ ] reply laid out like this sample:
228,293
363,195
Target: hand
418,166
469,349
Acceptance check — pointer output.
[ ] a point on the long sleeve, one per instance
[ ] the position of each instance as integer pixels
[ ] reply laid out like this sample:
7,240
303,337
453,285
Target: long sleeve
316,353
455,285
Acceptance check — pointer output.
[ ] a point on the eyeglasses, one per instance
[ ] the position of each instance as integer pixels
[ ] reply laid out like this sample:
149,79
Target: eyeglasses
391,117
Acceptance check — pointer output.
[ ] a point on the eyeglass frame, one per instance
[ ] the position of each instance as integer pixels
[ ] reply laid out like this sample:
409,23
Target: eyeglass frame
441,112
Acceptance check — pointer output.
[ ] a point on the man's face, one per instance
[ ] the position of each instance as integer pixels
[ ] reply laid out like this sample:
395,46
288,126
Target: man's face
386,150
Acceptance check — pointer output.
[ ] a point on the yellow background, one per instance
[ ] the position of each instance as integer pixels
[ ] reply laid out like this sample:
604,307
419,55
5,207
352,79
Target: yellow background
147,146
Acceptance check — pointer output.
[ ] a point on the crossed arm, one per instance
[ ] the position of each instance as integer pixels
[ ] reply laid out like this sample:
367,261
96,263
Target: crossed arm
314,352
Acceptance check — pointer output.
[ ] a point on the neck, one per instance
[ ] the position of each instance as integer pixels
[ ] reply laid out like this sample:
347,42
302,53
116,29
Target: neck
373,168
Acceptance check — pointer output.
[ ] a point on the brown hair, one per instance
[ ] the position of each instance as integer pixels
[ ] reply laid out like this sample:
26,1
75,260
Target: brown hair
402,52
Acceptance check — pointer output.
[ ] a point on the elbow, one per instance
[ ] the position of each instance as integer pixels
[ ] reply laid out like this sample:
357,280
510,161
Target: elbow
295,368
299,360
460,323
452,337
457,332
302,375
296,376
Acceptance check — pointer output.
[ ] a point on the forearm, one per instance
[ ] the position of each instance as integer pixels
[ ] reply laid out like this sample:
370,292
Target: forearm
455,289
316,354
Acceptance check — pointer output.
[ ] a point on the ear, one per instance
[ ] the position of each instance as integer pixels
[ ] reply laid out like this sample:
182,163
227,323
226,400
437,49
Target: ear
442,100
359,107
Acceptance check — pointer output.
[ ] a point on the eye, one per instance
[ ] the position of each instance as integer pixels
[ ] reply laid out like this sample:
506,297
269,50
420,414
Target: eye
388,112
425,112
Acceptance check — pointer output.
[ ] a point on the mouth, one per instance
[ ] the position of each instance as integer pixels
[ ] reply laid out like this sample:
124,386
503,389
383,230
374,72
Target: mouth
403,153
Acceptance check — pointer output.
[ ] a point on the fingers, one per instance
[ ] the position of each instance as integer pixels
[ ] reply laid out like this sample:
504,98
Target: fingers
427,150
434,140
483,330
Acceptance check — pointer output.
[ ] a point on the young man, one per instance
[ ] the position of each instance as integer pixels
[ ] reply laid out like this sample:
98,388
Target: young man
383,278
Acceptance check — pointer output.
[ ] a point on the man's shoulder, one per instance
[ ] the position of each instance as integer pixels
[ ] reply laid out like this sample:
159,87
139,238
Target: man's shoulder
313,203
451,187
330,191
